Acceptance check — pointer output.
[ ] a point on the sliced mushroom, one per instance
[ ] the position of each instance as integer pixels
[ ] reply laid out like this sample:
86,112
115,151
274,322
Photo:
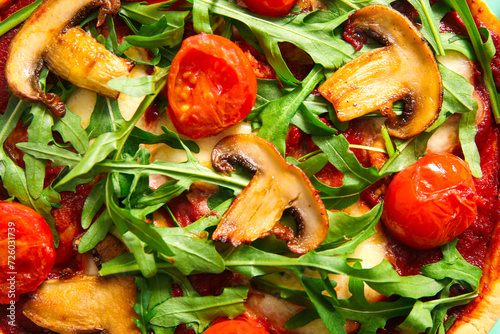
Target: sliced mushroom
77,57
48,21
405,69
85,304
275,187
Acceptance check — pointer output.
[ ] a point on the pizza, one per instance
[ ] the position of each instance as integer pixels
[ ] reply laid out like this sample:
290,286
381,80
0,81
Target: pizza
212,166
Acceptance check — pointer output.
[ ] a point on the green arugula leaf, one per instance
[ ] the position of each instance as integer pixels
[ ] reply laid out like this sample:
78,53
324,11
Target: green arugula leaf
407,153
70,129
144,14
141,86
39,131
356,178
467,135
422,315
18,17
200,311
371,316
168,137
277,114
430,25
333,321
168,31
346,232
96,233
14,177
484,52
104,118
145,261
252,262
453,266
193,252
141,307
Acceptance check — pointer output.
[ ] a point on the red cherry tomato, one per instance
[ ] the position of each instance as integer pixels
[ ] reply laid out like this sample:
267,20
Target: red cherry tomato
239,325
27,251
272,8
431,202
211,86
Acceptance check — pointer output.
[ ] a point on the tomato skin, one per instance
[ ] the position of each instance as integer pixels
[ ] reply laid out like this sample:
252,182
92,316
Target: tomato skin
272,8
33,256
431,202
211,86
239,325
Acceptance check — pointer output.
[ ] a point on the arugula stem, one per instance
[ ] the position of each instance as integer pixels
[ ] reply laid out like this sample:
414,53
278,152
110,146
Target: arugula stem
18,17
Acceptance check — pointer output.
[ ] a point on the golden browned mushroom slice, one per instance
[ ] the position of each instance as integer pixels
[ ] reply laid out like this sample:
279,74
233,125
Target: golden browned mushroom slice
405,69
85,304
275,187
48,21
77,57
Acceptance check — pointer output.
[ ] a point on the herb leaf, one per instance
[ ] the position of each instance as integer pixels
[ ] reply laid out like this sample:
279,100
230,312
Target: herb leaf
200,311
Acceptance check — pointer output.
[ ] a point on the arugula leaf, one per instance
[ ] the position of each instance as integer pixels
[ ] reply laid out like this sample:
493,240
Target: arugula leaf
14,177
346,232
200,311
141,86
484,52
18,17
346,6
151,292
145,260
430,25
144,14
312,32
333,321
356,178
96,233
104,118
70,129
252,262
39,131
371,316
454,266
407,153
167,31
192,251
277,114
467,134
422,315
141,307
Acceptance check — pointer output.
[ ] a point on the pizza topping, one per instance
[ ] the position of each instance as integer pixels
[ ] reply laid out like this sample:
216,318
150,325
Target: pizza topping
235,326
404,69
77,57
211,86
42,29
84,304
272,8
431,202
275,187
27,252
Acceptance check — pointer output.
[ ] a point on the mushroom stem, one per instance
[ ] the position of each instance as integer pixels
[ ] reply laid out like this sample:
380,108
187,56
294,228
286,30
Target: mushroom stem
24,60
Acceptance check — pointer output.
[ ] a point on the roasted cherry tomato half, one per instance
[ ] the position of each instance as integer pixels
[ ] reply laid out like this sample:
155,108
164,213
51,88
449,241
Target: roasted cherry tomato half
27,251
272,8
239,325
211,86
431,202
